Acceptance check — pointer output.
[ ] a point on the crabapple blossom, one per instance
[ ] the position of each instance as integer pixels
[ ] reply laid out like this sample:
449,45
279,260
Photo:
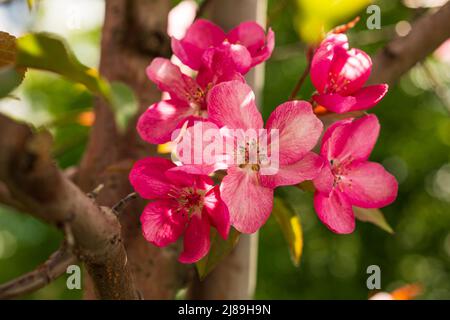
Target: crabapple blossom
247,189
339,74
248,43
347,178
184,205
187,98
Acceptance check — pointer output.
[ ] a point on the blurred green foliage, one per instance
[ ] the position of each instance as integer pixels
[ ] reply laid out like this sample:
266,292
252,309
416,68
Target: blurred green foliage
414,145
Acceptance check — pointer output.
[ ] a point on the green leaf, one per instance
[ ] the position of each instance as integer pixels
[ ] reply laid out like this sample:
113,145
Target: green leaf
10,76
219,249
49,52
124,103
374,216
291,227
44,51
10,79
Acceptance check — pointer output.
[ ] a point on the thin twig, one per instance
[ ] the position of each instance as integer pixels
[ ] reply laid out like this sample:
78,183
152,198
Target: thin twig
119,206
303,76
54,267
94,193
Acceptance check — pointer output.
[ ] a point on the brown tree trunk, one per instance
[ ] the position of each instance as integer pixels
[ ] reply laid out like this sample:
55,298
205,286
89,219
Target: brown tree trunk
235,277
134,33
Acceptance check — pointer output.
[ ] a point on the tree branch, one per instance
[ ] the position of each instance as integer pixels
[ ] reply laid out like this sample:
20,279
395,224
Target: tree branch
402,53
134,32
31,176
54,267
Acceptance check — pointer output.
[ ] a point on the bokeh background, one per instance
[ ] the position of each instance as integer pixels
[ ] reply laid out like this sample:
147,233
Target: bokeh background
414,145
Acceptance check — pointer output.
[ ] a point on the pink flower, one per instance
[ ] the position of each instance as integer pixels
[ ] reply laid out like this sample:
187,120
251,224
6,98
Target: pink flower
185,204
347,178
204,35
187,98
339,73
247,189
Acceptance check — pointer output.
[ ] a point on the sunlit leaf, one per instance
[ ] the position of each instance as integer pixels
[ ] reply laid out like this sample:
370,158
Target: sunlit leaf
44,51
374,216
49,52
219,249
291,227
317,17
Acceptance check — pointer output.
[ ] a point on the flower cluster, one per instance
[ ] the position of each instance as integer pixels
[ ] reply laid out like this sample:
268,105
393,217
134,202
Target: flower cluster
217,108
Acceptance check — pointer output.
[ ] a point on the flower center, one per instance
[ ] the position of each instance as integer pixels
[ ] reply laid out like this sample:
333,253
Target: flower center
190,200
251,155
340,171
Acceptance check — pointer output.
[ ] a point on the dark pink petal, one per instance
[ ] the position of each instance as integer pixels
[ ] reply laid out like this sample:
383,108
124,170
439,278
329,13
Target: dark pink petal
335,212
349,70
357,139
161,225
248,202
217,212
335,102
289,174
299,129
331,139
158,122
325,180
181,178
252,36
201,35
369,185
168,77
320,64
196,239
232,105
265,52
227,58
148,179
369,96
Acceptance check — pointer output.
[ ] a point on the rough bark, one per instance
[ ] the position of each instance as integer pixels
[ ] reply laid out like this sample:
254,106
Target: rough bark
31,176
134,32
235,276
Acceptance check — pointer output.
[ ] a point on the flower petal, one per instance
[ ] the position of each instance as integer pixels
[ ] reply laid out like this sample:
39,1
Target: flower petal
299,129
369,96
232,105
325,179
369,185
161,225
148,179
158,122
168,77
217,212
335,212
349,70
196,239
306,169
335,102
201,35
252,36
248,202
357,139
227,58
320,64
